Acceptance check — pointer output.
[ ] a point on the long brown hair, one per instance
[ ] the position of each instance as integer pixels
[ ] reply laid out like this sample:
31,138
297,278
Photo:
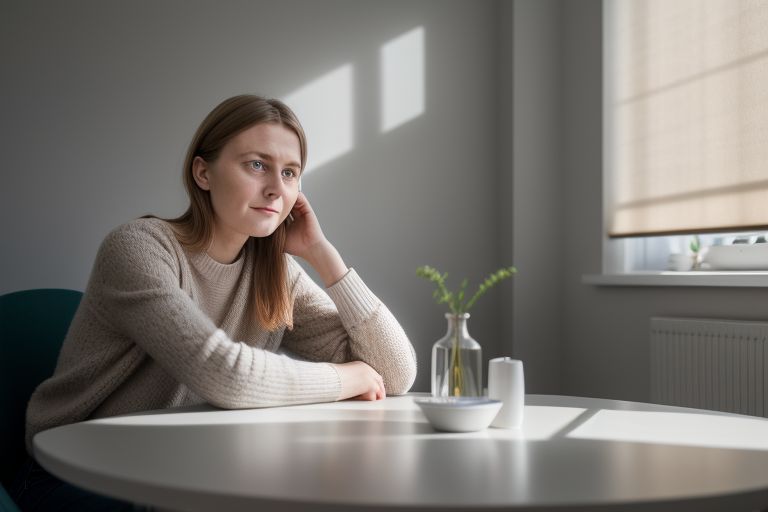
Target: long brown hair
270,295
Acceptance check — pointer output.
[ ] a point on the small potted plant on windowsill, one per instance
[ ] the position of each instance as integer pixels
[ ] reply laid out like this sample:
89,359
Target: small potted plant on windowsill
695,247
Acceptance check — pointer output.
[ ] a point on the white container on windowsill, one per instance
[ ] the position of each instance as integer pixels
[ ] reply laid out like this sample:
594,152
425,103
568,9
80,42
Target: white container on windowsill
738,257
680,262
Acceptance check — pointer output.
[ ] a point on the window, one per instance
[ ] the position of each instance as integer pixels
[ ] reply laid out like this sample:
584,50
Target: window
686,126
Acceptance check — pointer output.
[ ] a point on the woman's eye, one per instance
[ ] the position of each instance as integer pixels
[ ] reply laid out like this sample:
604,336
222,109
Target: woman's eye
289,173
257,165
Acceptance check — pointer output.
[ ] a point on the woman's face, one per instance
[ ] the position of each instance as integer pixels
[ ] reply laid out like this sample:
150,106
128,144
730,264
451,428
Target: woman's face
254,182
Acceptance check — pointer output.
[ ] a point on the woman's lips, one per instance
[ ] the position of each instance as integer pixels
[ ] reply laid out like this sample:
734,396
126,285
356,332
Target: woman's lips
266,210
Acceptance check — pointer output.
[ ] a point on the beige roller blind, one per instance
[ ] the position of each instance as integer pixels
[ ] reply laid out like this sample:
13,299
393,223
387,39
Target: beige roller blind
686,115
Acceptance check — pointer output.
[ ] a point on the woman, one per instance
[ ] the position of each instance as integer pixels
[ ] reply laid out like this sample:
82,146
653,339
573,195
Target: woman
194,309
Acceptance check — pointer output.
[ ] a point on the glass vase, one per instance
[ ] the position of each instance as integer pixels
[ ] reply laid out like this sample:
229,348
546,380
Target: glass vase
457,361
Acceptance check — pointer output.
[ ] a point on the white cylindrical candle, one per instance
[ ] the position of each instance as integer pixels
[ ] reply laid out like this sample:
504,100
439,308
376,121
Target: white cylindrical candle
507,383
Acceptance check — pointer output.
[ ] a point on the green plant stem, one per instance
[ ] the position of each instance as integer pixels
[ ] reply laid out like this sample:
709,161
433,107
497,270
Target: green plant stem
456,383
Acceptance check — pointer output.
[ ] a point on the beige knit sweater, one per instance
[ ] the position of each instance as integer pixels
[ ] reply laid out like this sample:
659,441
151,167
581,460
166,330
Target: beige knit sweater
160,326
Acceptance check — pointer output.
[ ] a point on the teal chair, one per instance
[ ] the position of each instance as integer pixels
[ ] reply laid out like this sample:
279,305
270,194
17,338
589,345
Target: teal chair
33,324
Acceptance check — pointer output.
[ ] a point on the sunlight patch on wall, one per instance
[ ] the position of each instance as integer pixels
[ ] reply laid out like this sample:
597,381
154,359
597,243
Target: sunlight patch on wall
324,107
402,79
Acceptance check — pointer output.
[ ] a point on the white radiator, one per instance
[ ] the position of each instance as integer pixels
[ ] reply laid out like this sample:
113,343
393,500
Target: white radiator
710,364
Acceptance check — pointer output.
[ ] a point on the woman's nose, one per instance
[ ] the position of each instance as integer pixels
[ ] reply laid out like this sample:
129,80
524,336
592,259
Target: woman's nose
273,186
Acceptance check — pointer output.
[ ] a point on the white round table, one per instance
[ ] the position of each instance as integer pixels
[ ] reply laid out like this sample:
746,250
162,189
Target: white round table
571,454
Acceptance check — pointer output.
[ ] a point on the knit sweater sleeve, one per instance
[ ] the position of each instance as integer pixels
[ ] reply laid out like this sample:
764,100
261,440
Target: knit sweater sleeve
349,323
138,291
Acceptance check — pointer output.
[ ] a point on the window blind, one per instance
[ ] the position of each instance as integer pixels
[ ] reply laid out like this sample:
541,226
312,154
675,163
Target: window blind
686,116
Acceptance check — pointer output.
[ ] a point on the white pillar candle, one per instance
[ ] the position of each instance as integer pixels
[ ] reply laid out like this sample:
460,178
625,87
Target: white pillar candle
507,383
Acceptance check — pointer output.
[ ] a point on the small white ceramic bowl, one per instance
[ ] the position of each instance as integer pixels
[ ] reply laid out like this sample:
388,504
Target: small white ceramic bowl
459,414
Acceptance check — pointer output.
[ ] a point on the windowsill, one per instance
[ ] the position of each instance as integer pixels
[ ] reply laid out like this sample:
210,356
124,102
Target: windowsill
738,279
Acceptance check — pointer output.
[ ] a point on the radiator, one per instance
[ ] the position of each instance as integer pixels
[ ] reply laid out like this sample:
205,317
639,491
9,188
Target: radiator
710,364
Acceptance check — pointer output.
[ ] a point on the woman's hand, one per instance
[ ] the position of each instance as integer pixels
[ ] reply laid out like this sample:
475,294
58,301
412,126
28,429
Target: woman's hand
306,240
304,233
360,382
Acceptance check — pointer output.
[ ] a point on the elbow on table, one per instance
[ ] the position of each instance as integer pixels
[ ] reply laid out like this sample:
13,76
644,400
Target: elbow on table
402,381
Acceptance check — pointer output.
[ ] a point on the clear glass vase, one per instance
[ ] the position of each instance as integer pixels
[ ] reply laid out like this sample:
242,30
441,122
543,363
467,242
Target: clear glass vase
457,361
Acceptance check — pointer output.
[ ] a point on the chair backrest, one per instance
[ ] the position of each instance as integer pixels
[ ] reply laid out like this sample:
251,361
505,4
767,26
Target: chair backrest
33,324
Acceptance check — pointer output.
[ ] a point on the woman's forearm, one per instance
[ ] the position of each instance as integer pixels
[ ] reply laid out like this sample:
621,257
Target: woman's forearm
327,262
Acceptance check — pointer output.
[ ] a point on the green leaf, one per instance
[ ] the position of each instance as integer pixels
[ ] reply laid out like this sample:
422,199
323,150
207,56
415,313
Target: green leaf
695,244
456,301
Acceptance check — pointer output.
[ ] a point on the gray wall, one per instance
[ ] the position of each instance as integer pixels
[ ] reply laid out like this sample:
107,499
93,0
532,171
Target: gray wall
537,192
99,99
